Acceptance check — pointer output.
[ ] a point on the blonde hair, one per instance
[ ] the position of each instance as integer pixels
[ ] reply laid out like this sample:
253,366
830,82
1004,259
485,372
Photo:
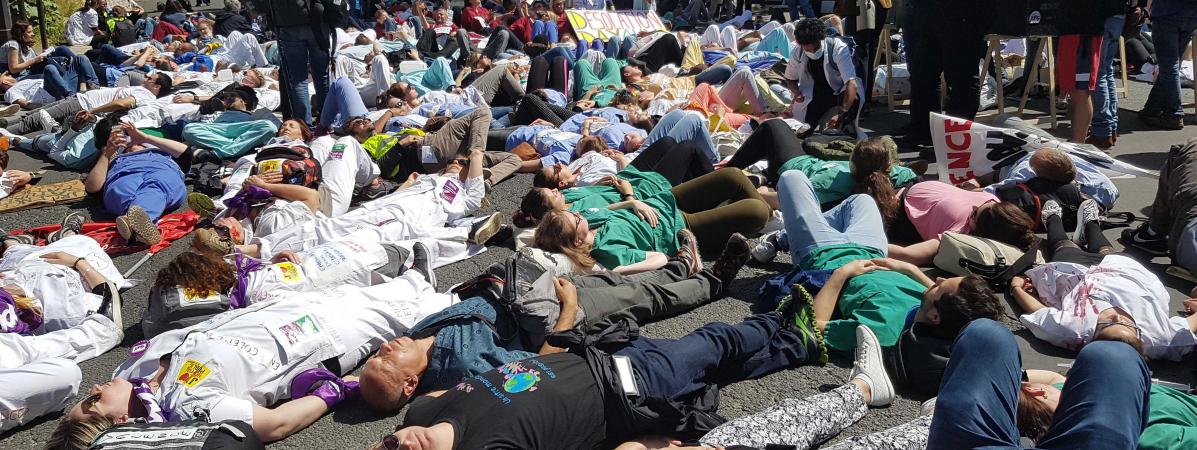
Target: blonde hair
77,435
555,234
22,300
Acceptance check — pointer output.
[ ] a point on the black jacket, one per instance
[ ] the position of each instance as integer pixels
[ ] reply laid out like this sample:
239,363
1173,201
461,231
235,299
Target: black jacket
228,22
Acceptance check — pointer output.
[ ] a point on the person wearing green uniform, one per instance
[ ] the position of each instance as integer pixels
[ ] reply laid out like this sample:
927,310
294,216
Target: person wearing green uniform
865,287
636,216
607,80
833,179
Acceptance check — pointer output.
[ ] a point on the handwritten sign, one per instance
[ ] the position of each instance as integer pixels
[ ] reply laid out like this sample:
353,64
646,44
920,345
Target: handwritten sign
589,25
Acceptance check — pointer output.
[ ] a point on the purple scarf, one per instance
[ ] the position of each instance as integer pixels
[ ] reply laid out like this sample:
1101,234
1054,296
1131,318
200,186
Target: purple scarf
250,196
141,389
14,319
239,296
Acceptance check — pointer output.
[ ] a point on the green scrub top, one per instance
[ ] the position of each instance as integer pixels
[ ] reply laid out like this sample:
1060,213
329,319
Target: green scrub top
880,299
832,180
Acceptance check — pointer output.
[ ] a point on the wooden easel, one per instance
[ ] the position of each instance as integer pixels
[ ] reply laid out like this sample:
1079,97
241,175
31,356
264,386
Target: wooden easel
1193,59
994,54
884,47
1045,45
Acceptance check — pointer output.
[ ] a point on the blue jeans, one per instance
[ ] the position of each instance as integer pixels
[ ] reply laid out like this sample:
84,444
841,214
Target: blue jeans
342,103
547,28
717,352
1105,97
297,50
559,51
800,7
1103,404
714,75
111,55
684,126
856,220
1170,36
63,81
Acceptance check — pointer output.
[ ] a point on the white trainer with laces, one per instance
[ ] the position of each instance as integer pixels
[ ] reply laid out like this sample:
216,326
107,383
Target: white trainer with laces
869,368
766,249
1088,211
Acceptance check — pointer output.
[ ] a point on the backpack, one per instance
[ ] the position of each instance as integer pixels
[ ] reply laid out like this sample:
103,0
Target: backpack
1032,194
171,308
295,162
124,32
191,434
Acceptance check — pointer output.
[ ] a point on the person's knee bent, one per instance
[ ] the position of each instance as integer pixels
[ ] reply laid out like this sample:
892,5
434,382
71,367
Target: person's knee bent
1118,360
862,202
985,333
794,179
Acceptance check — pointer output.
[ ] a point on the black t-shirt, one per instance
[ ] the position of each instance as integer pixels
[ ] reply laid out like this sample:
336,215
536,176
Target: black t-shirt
546,402
818,75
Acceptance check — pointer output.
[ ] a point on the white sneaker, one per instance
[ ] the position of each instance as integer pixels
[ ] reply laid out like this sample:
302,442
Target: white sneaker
928,407
869,367
1088,211
1050,208
775,223
766,249
48,123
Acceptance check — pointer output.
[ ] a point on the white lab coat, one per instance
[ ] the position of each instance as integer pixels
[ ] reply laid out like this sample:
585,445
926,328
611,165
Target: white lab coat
60,292
837,68
225,365
1074,295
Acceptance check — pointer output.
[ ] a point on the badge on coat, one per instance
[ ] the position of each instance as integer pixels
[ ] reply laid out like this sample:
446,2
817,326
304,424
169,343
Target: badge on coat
192,373
289,272
337,152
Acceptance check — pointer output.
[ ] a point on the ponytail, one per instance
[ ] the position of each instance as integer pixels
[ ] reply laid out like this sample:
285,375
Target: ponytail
871,164
532,208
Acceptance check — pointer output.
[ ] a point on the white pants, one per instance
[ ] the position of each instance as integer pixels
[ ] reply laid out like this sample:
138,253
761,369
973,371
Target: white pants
377,79
87,340
33,390
392,223
243,49
344,167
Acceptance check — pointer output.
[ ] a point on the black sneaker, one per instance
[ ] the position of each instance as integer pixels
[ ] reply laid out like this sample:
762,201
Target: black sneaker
1139,239
110,307
735,253
378,188
421,262
798,316
1162,120
72,223
687,251
483,230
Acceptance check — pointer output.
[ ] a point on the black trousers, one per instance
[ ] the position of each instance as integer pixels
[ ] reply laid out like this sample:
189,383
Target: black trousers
501,40
533,107
548,74
953,49
428,47
773,141
666,50
1065,250
677,162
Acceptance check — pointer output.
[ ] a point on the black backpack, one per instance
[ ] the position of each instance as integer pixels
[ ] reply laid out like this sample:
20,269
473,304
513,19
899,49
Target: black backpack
190,434
170,309
124,32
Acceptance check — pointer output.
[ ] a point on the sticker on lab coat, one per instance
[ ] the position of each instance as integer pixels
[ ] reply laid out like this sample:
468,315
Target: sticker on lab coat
192,373
300,336
191,298
450,190
270,165
337,151
289,272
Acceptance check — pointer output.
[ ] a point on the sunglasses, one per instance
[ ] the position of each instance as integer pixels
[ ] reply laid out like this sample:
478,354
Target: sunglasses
390,442
462,161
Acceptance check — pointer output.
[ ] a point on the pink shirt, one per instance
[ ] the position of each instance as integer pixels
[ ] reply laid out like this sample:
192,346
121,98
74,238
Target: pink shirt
935,207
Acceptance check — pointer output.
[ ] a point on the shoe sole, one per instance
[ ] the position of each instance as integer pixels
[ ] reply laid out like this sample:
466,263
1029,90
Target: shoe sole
208,240
63,228
430,274
201,204
487,230
139,227
1130,243
10,110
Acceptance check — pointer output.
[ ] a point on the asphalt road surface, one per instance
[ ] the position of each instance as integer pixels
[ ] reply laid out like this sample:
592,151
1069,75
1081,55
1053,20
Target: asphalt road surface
354,426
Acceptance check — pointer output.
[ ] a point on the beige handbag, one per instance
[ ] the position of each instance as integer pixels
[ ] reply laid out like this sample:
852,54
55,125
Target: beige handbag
994,261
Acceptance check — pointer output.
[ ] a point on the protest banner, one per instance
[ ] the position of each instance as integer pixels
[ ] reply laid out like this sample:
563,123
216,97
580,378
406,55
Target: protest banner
967,150
590,25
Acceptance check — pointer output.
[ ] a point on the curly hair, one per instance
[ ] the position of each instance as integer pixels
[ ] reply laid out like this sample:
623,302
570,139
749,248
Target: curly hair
809,31
198,273
972,300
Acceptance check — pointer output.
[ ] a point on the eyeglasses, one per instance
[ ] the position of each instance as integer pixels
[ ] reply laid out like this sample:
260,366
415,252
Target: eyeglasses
1101,325
578,230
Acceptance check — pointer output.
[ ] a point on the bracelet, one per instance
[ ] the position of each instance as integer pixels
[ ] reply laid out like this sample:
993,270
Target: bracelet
75,265
627,197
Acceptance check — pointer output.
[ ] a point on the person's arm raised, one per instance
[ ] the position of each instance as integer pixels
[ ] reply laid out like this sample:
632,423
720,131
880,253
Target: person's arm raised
172,147
567,295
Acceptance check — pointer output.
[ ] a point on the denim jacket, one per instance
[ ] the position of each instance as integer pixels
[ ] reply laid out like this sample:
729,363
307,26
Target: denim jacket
472,337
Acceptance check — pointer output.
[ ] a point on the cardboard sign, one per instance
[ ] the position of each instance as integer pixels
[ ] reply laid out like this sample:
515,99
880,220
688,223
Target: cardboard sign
967,150
589,25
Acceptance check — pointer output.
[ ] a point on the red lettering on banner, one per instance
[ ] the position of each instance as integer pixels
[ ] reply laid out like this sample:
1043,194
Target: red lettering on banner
953,179
968,139
959,160
950,126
